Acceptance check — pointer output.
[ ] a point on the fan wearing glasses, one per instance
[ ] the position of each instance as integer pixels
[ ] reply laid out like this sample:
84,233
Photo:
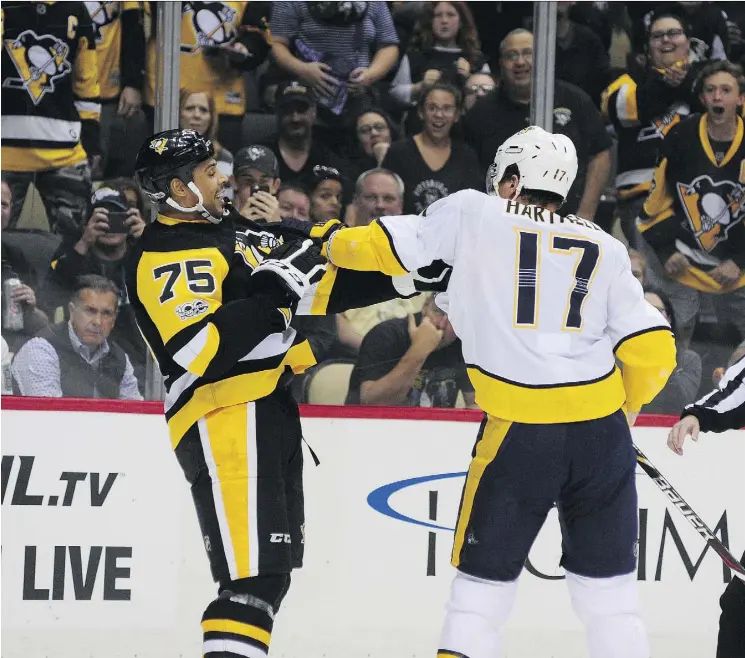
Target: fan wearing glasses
373,134
706,25
432,164
477,86
643,106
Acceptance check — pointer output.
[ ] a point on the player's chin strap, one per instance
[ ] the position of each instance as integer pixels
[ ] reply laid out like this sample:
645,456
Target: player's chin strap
197,208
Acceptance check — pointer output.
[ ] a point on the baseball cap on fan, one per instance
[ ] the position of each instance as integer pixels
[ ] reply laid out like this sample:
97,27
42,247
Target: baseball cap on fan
111,199
293,94
256,157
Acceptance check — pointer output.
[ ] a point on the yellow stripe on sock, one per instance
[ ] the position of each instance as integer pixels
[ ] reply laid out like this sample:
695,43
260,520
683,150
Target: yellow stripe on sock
237,627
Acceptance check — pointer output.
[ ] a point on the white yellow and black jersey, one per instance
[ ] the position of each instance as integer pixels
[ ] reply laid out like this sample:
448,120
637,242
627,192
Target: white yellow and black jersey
543,305
215,346
50,93
218,340
643,109
697,204
206,26
120,45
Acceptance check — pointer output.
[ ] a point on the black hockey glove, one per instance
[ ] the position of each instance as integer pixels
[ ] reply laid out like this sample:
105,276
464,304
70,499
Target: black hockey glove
296,264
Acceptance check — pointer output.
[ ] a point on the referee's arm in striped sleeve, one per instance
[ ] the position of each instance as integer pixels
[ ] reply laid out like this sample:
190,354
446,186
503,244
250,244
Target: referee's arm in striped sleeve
723,408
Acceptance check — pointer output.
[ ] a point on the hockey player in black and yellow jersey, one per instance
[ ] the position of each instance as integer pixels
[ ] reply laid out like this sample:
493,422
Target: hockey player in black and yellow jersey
50,107
693,217
220,41
215,307
222,349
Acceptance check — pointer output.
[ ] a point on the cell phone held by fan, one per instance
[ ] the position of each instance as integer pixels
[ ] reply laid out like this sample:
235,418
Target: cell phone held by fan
259,188
117,222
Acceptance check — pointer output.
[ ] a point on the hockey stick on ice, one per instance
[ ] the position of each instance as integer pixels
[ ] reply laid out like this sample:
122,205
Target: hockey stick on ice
694,519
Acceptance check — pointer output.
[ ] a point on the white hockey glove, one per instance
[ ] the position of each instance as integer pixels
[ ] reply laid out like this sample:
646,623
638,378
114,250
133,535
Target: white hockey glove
297,264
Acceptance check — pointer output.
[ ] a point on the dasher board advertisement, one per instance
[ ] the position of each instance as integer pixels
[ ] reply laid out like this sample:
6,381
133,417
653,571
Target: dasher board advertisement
102,554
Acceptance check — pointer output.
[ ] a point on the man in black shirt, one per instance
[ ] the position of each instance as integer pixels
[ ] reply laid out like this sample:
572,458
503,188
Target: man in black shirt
295,148
502,113
415,361
581,57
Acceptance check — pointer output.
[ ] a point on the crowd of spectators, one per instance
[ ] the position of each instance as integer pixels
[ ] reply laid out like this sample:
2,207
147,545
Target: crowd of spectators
358,110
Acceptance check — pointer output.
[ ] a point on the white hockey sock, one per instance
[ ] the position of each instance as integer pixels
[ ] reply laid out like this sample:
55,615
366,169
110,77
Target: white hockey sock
610,610
476,611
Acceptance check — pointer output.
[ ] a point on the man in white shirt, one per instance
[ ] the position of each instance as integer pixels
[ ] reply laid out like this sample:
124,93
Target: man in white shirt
543,305
75,359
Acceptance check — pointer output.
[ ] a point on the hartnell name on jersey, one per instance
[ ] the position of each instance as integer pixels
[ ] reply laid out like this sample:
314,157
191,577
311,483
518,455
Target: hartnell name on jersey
538,214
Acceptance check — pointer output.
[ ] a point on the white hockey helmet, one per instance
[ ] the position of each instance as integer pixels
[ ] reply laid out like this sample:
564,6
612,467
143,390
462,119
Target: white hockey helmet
546,162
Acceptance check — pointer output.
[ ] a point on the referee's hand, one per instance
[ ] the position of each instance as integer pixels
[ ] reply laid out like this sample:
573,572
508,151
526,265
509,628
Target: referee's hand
685,426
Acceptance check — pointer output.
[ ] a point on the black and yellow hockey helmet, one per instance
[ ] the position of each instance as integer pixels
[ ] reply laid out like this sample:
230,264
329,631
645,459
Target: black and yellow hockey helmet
172,154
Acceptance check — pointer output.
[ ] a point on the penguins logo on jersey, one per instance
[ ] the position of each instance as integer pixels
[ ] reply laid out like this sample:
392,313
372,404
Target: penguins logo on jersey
212,25
712,209
658,128
102,14
41,61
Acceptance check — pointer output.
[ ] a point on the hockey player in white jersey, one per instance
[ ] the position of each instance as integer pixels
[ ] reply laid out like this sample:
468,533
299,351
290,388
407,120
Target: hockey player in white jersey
544,305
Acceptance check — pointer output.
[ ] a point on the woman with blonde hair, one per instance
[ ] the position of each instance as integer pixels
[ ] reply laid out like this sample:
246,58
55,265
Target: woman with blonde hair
197,111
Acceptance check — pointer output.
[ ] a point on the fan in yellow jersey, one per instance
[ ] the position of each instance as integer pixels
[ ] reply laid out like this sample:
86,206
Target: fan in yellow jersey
215,309
543,304
50,107
220,41
693,218
120,46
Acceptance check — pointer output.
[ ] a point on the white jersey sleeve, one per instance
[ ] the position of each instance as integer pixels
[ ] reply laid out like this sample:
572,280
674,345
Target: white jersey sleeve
404,243
433,235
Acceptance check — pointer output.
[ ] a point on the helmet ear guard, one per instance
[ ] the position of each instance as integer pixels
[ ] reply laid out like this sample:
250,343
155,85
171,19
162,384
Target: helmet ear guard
494,175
